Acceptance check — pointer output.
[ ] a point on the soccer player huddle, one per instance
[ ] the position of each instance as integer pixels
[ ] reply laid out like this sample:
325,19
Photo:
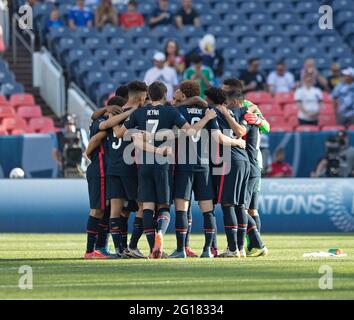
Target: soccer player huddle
147,153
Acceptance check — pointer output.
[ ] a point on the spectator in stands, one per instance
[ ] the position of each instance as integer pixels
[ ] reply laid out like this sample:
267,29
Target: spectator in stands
187,15
201,73
106,14
173,58
310,68
211,57
309,101
252,78
80,16
54,19
343,95
161,15
280,168
280,80
162,72
131,18
335,77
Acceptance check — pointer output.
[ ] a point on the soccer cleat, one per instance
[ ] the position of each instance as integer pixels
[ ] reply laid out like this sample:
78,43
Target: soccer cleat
96,255
229,254
257,252
157,250
106,252
190,253
178,255
207,254
243,253
133,253
214,252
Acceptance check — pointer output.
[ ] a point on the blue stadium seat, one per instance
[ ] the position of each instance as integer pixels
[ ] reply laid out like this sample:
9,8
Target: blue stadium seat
6,77
109,32
311,52
346,62
323,62
120,43
243,30
295,29
139,65
218,30
234,52
95,43
344,16
294,63
113,65
277,40
303,41
311,18
134,33
285,18
129,53
76,55
145,8
348,28
279,7
259,17
191,31
64,45
56,33
340,52
102,92
269,29
209,18
267,64
163,31
41,9
104,54
85,33
250,7
8,89
250,41
3,65
233,19
288,51
123,76
224,42
331,41
93,78
80,71
239,64
342,5
306,6
145,43
260,52
223,8
202,7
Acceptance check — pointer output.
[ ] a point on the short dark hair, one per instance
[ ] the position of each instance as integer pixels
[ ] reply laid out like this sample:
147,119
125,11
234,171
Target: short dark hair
216,95
251,60
281,61
133,3
116,101
122,91
196,58
234,83
190,88
137,87
235,94
157,91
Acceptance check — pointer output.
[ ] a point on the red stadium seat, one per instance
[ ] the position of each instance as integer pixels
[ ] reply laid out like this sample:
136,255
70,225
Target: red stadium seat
6,112
277,120
283,98
293,121
259,97
28,112
327,97
13,123
327,120
19,99
333,128
308,129
351,128
3,100
3,132
18,132
327,108
270,108
282,129
40,124
291,109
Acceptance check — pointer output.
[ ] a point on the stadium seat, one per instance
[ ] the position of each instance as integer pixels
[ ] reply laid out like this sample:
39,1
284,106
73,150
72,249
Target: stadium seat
259,97
277,120
327,120
104,54
3,100
307,129
283,98
286,128
351,128
333,128
14,122
120,43
28,112
9,89
94,77
22,99
243,30
328,108
18,132
6,111
327,97
3,132
290,109
38,124
270,109
293,120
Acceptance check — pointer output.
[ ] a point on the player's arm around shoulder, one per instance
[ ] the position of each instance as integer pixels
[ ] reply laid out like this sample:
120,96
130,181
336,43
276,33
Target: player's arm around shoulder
238,129
191,130
94,143
115,120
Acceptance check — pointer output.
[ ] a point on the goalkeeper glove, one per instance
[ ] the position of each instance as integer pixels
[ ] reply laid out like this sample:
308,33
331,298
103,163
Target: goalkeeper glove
253,119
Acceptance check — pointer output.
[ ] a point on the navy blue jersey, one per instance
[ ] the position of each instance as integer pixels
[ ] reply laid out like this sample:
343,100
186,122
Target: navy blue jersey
237,154
152,119
117,166
193,152
98,165
253,140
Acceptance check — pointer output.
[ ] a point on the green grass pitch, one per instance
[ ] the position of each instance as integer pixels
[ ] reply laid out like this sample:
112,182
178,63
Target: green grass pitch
60,273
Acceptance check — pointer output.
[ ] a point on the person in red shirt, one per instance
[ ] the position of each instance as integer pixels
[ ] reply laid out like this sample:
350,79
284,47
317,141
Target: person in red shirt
280,168
131,18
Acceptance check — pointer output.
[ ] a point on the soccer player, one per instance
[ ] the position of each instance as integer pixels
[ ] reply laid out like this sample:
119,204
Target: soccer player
233,185
96,173
232,84
155,178
192,172
122,181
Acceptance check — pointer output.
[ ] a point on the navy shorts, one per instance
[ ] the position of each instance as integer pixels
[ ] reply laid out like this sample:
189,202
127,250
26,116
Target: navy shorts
253,193
130,206
199,182
155,186
233,186
97,192
122,187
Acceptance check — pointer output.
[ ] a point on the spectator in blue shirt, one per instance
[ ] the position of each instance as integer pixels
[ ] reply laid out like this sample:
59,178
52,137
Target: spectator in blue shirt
80,16
161,15
54,19
343,95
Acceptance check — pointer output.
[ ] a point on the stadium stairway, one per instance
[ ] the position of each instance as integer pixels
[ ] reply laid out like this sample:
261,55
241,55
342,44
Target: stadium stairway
23,72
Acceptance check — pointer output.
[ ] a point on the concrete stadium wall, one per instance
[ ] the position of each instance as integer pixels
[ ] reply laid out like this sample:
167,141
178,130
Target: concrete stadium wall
287,205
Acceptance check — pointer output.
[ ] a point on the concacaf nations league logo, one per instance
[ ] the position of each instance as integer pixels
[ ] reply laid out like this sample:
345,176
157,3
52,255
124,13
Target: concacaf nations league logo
341,205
